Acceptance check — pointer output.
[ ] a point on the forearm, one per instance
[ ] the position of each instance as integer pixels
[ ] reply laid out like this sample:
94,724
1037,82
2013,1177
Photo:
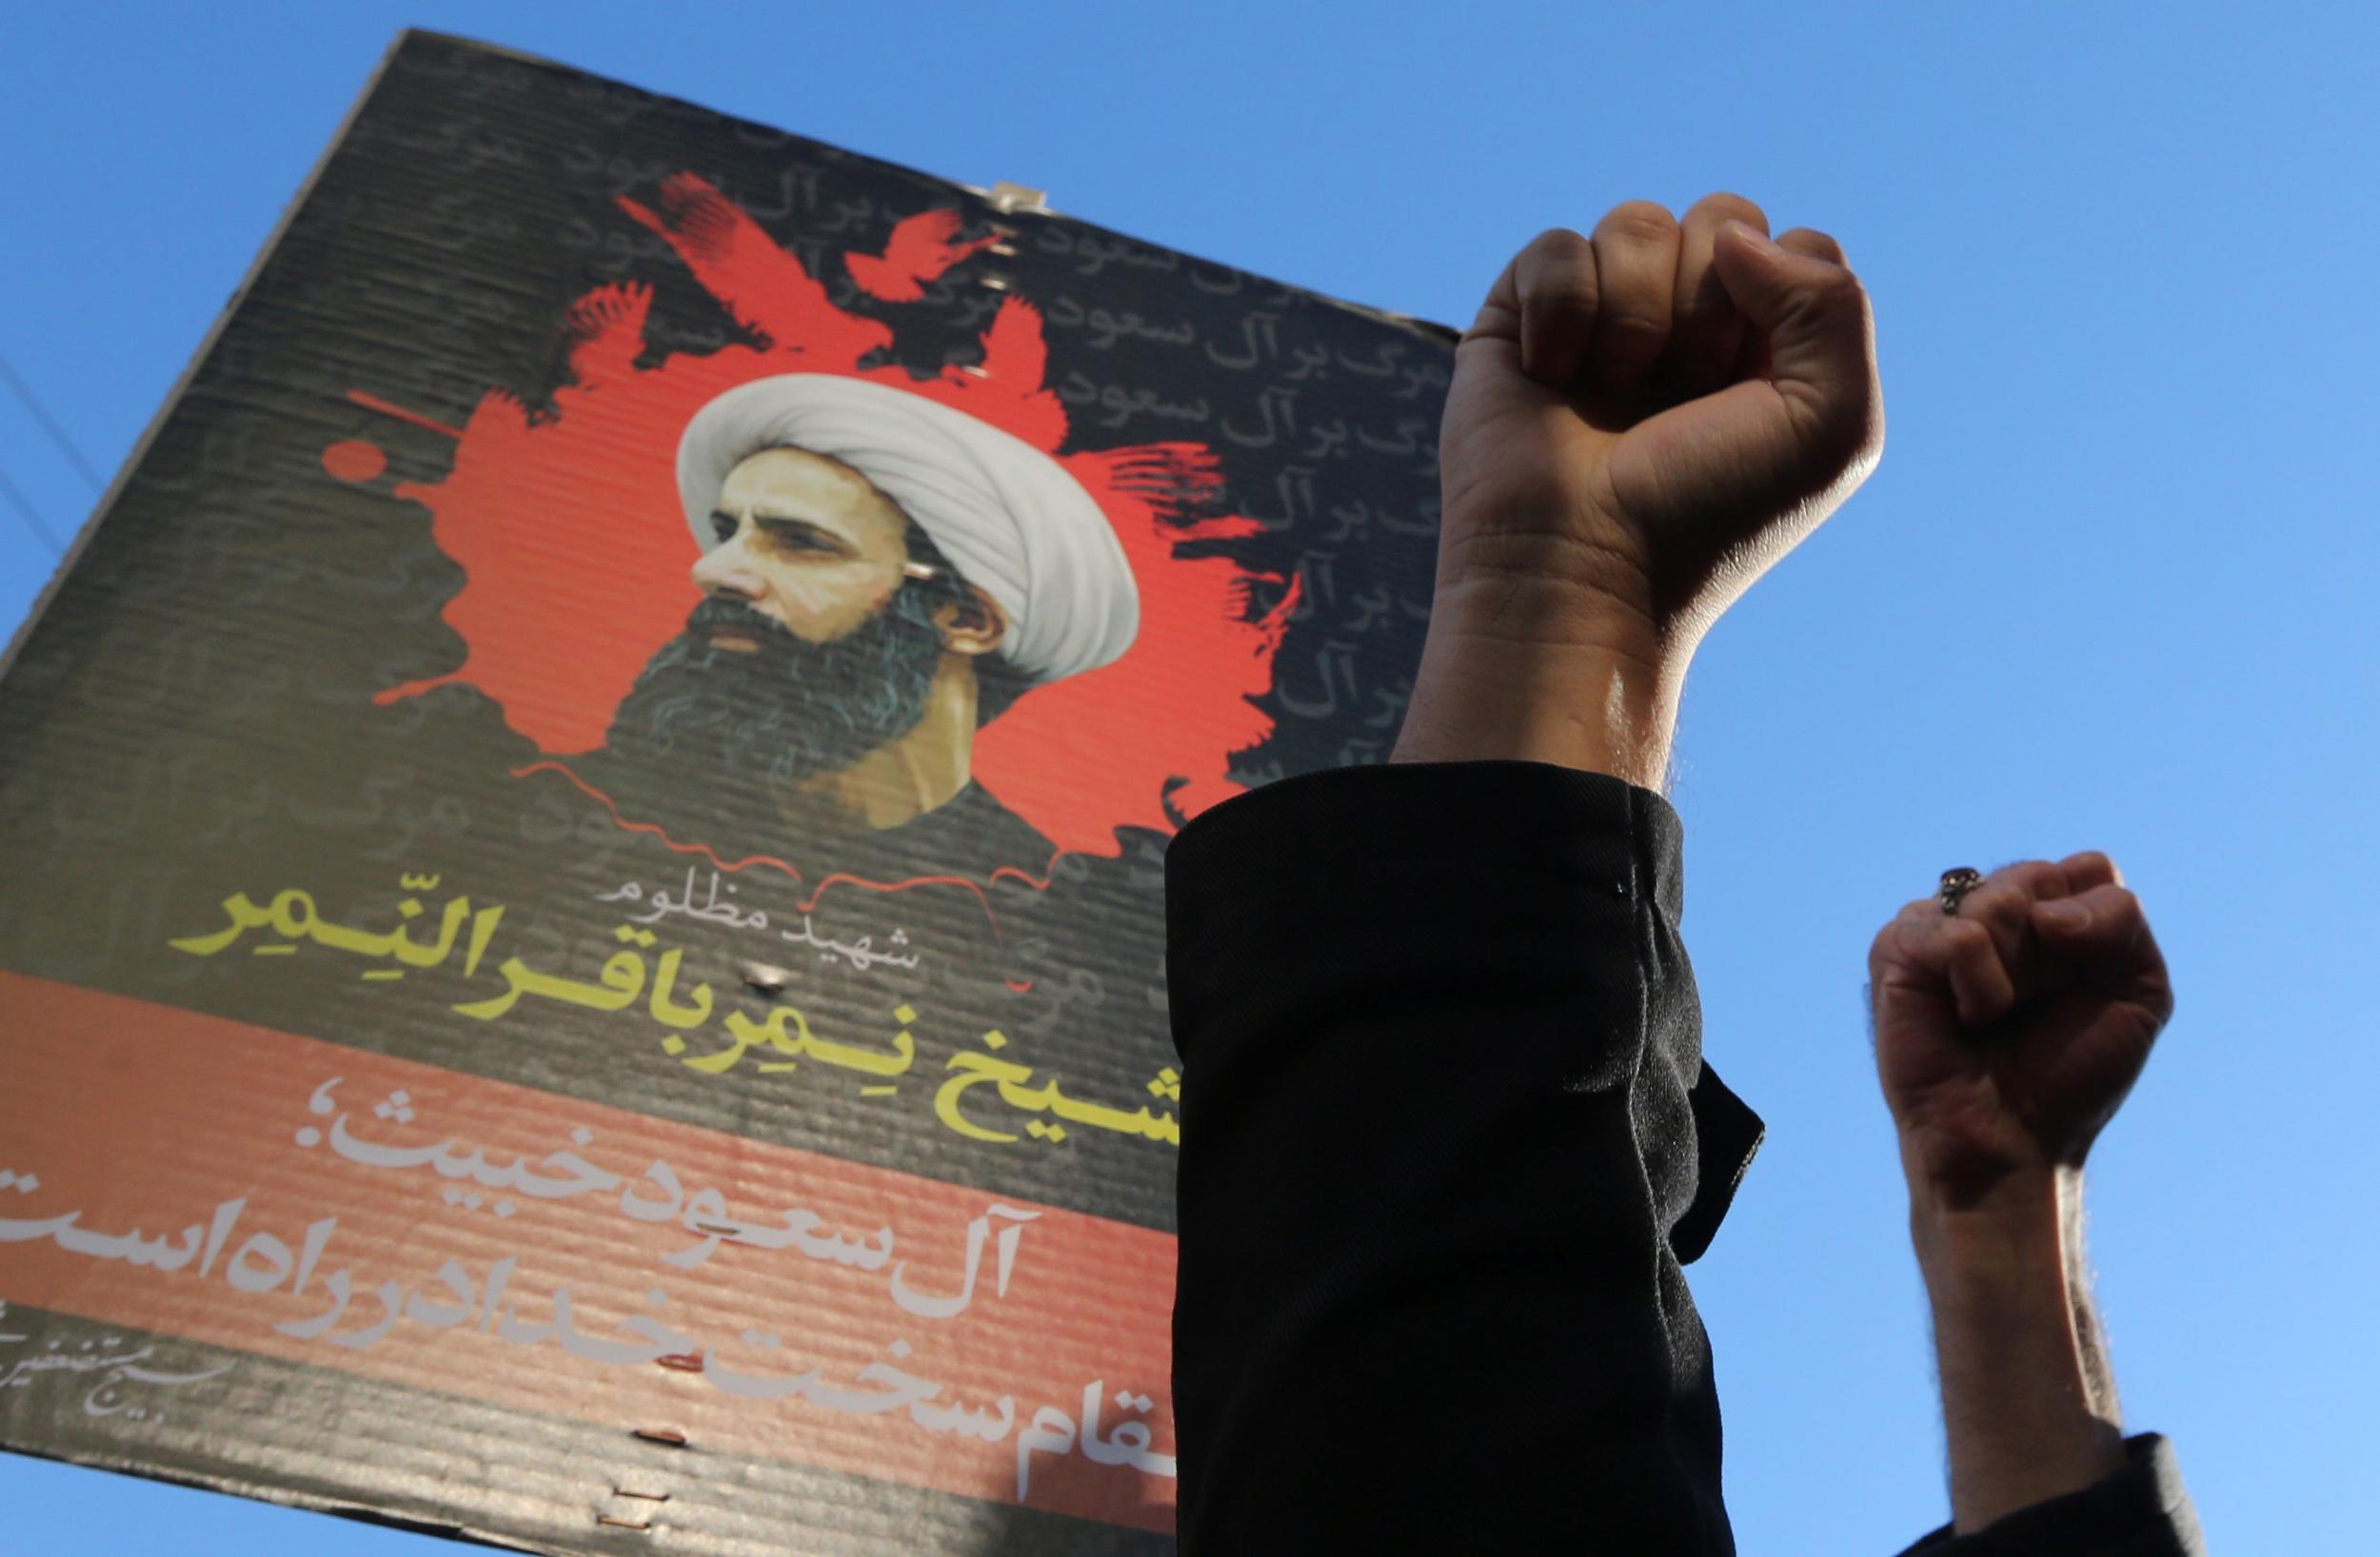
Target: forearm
1532,669
2027,1399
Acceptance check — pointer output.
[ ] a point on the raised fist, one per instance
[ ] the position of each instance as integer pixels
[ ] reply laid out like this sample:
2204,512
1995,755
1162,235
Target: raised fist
2007,1035
1643,420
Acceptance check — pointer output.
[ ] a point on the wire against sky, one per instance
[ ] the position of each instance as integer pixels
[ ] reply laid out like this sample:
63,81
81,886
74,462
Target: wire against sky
32,517
49,423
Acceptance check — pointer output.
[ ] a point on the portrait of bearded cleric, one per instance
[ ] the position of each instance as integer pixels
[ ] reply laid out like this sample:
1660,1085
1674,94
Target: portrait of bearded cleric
881,575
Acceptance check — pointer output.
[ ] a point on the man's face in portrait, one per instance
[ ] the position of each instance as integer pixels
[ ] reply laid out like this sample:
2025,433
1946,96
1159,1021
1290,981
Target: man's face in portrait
807,542
811,647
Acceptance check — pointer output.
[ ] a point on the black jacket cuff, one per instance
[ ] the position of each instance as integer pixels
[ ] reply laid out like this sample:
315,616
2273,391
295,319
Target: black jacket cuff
1508,863
2141,1510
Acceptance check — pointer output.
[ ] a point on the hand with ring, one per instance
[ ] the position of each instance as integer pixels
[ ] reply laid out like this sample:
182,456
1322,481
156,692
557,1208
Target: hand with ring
2012,1014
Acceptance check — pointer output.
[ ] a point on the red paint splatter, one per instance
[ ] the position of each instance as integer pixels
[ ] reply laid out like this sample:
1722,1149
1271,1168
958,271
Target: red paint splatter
389,408
354,460
576,557
919,251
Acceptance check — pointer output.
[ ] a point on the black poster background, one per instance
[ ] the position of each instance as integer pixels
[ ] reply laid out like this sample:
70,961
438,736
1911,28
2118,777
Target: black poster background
193,716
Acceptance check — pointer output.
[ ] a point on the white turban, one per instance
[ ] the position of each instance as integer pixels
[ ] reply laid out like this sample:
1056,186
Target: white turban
1009,516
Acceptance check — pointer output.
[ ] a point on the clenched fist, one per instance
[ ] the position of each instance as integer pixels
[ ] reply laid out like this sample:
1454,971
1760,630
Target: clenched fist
2007,1035
1645,419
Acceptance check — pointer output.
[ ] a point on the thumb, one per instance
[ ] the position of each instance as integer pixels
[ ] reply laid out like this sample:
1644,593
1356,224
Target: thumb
1813,315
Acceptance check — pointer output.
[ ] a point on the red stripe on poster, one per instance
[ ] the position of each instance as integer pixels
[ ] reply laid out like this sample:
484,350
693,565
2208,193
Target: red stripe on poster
250,1189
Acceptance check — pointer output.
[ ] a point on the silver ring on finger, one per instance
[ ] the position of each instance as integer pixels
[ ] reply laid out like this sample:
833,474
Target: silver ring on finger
1956,883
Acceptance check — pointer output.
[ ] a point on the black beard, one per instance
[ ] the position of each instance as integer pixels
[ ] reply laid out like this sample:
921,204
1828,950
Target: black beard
788,710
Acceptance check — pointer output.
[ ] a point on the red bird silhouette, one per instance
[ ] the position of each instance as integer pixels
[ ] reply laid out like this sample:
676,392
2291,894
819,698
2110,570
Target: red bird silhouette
919,251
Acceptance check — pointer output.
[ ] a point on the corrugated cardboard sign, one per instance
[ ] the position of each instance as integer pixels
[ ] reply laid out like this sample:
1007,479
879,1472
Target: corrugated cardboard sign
580,944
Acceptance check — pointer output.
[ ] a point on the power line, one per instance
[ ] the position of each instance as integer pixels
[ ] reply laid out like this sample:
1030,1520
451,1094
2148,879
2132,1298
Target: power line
32,520
50,424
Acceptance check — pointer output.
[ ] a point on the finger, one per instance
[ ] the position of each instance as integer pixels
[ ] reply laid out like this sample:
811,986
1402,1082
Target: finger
1905,957
2106,924
1979,980
1499,314
2087,870
2104,933
1636,261
1819,246
1950,963
2003,906
1811,326
1754,362
1707,330
1554,289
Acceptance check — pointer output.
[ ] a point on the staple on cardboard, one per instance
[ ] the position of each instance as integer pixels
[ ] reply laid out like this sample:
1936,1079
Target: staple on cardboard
1008,199
763,976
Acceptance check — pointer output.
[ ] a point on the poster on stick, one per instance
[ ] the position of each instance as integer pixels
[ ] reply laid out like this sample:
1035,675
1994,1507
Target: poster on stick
581,839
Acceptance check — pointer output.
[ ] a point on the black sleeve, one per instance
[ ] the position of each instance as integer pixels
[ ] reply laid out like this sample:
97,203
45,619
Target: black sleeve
1447,1138
2142,1510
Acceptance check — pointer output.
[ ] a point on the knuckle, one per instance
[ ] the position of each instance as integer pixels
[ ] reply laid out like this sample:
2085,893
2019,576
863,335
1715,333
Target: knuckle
1811,240
1639,220
2093,865
2024,878
1966,937
1726,206
1558,244
1989,902
1557,272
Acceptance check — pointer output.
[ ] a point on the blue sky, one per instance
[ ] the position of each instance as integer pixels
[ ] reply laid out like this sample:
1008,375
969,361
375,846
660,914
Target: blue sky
2107,590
